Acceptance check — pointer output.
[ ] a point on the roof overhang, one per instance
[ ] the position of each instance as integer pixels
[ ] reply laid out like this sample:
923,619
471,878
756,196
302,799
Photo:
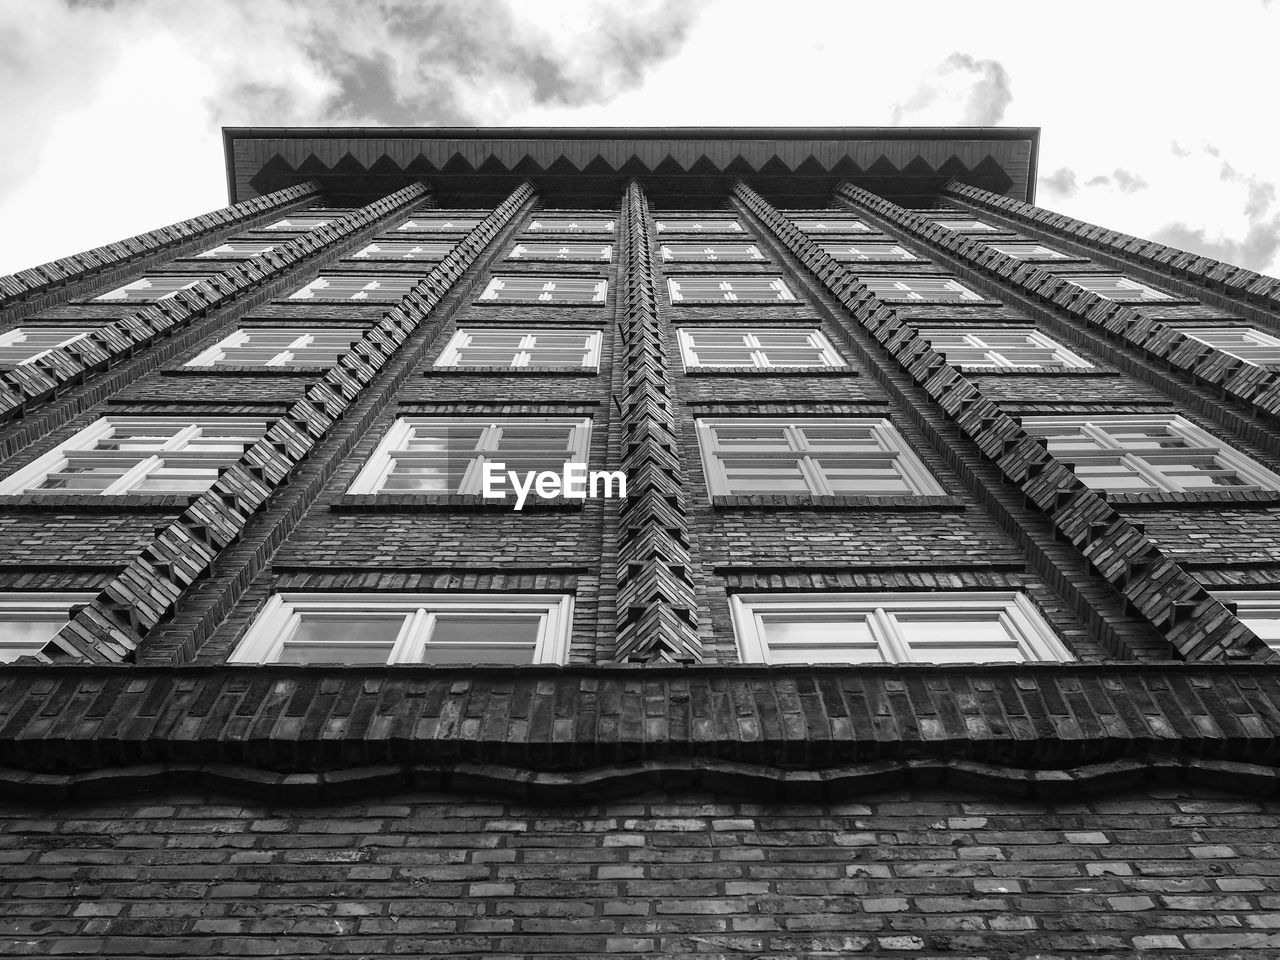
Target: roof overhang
799,166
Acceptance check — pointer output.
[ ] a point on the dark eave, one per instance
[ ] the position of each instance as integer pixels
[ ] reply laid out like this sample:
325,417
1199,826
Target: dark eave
798,166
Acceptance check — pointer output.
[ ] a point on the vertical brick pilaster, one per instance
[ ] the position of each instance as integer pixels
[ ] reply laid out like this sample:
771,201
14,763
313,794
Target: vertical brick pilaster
657,611
1197,625
109,628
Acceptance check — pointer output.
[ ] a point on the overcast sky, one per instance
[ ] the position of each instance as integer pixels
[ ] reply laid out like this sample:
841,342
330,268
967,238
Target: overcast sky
1157,117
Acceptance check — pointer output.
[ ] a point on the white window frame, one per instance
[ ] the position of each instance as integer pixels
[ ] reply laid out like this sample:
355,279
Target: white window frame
882,285
1262,343
711,253
728,292
893,449
869,253
304,339
1027,629
1028,250
1200,445
303,222
1105,285
13,342
826,225
26,607
550,286
969,225
171,285
560,223
440,224
1259,610
405,429
330,286
282,614
145,465
390,246
699,225
570,252
230,251
992,358
759,357
525,355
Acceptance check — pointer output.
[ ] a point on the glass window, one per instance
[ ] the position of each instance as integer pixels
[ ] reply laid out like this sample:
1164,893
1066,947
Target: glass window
711,252
1029,251
479,347
779,347
700,225
152,288
237,250
280,347
300,222
568,252
30,620
398,628
1001,347
1148,453
358,287
439,224
728,289
850,252
830,225
941,627
537,288
1117,288
24,344
427,251
118,455
588,224
446,456
836,455
1244,343
1260,611
941,289
969,226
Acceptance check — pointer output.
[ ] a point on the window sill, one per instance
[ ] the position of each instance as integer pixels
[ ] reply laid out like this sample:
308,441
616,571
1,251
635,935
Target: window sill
1206,499
96,503
240,370
512,371
771,372
938,303
691,302
1038,371
780,501
596,304
446,503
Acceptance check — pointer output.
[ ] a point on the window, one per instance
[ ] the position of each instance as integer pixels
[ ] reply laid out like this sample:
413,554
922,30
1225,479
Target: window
867,251
969,226
522,348
152,288
1117,288
1260,611
843,455
731,289
237,250
441,224
358,287
582,252
118,455
300,222
404,250
390,628
24,344
942,627
831,225
1137,453
445,456
1002,347
727,347
30,620
1029,251
279,347
571,225
713,225
1244,343
546,289
728,252
919,288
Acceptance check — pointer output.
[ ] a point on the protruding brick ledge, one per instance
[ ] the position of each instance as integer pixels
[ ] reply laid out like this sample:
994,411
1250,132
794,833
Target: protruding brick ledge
774,729
27,283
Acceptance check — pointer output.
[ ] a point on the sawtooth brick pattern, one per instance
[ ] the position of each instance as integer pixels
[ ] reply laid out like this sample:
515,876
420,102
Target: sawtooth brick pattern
1146,326
109,627
1198,626
30,383
1173,871
656,603
25,284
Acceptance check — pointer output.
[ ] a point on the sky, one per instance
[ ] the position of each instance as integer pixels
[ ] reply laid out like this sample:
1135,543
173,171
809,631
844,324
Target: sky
1157,118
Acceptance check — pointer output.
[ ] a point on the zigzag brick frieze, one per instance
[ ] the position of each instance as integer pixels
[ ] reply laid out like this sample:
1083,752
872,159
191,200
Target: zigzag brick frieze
1197,625
109,628
34,280
30,383
657,612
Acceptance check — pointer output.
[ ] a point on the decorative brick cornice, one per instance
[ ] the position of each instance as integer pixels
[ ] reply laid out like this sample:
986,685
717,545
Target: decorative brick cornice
1198,626
109,628
1255,386
30,383
35,280
811,722
657,608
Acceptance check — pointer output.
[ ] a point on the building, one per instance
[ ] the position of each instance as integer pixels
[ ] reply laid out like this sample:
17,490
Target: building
937,619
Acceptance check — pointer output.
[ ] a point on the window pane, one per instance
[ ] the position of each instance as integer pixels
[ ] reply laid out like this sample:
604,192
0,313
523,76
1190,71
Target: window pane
936,639
475,628
817,640
299,652
448,653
